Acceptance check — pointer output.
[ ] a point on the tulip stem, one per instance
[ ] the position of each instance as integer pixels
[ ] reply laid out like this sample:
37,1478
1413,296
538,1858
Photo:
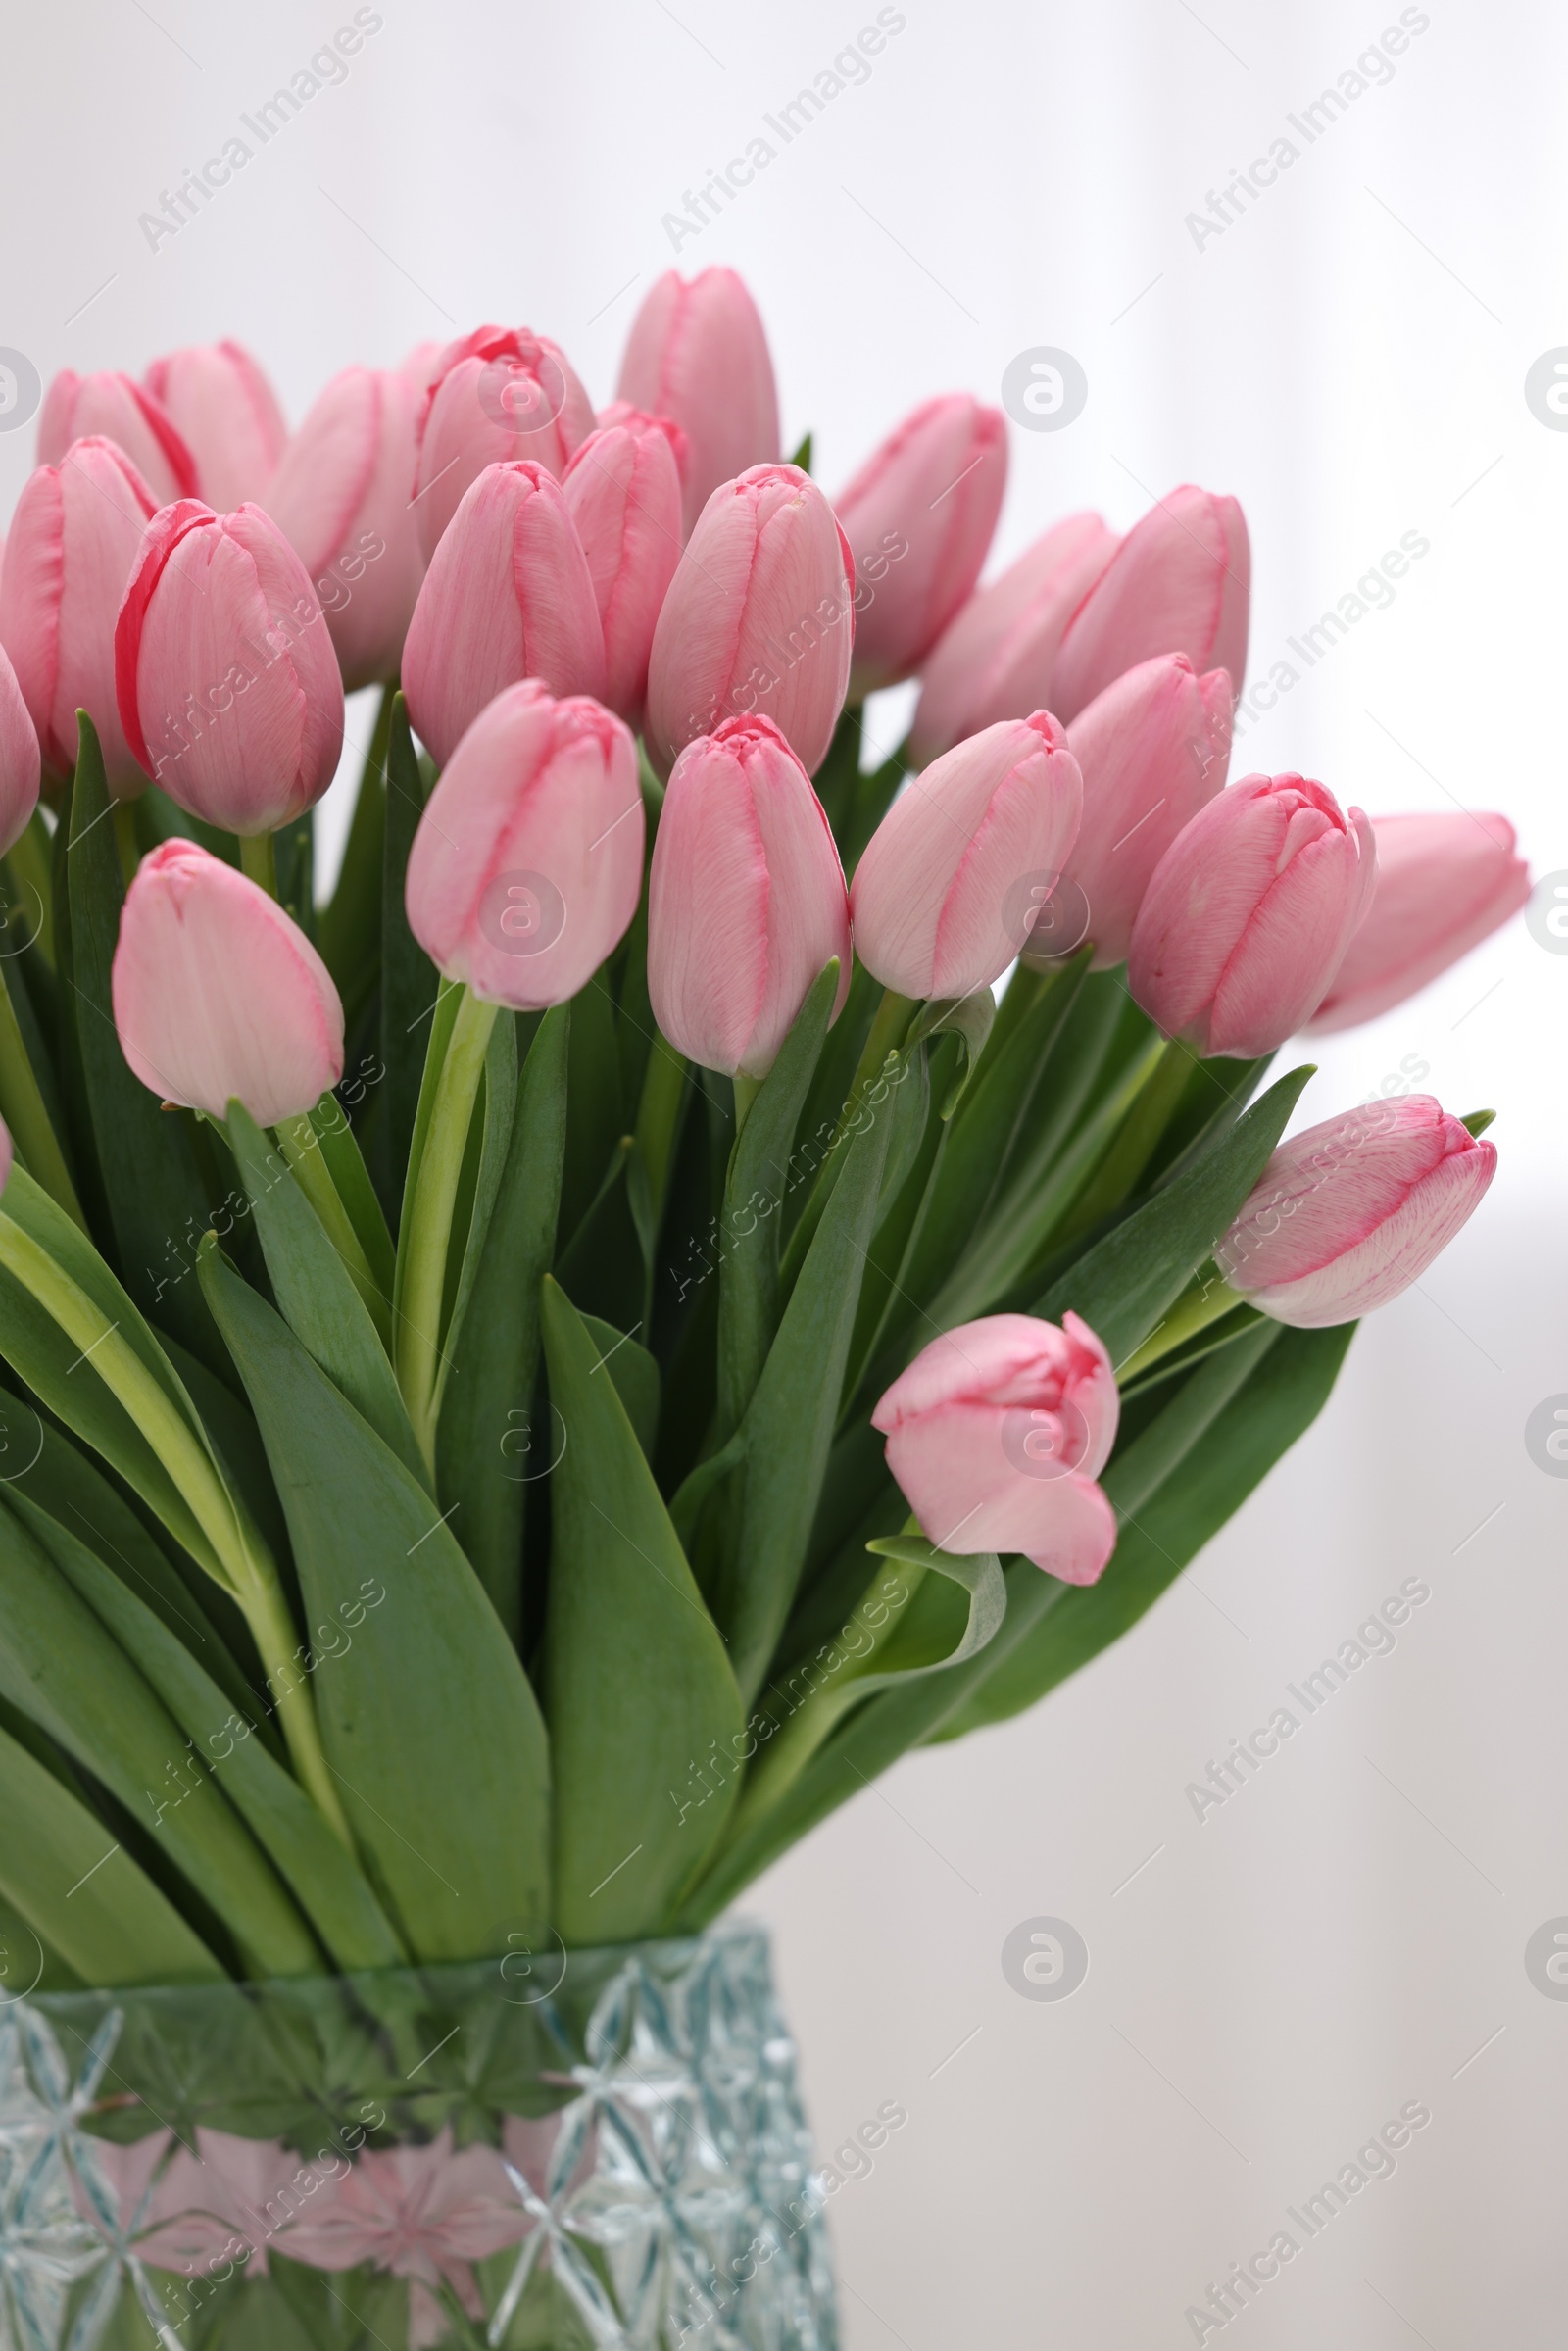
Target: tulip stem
259,861
1136,1140
21,1105
1205,1301
747,1091
422,1250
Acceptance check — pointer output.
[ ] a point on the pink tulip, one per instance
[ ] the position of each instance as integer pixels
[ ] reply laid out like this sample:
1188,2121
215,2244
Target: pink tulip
746,899
1179,582
697,352
997,658
1248,914
19,765
622,491
918,517
218,996
995,1435
508,596
495,396
226,413
527,865
944,895
1350,1213
421,365
1444,883
342,497
229,687
423,2212
73,543
1153,749
77,408
759,619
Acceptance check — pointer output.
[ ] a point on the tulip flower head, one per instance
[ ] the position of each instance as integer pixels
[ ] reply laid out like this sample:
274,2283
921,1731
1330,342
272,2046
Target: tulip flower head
1179,582
77,408
497,395
226,413
1444,884
19,765
622,488
697,353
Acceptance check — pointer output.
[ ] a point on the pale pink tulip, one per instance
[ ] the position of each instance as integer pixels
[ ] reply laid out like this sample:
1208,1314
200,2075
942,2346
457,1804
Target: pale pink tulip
996,1435
226,413
229,688
21,770
508,596
1444,883
499,394
697,352
73,545
421,365
1350,1213
945,896
622,491
79,407
527,865
1247,914
997,658
1179,582
760,620
218,994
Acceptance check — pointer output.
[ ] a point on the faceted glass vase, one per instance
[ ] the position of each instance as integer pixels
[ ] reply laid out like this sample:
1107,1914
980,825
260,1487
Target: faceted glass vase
552,2152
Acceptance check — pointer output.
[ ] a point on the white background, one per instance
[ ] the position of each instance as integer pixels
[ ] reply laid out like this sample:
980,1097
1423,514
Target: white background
1348,357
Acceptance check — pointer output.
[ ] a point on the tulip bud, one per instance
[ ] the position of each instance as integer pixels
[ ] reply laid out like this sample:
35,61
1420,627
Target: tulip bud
229,688
746,899
622,491
342,497
995,1435
997,658
759,619
1247,914
1444,884
226,413
218,996
697,352
79,407
497,395
18,761
74,542
1350,1213
918,517
508,596
1179,582
947,891
527,865
1153,749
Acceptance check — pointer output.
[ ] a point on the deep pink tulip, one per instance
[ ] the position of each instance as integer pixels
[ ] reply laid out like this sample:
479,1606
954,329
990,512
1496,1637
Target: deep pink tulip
19,766
622,491
342,497
1350,1213
499,394
996,659
920,516
1153,749
527,865
218,994
73,545
997,1434
226,413
746,899
76,407
759,619
1444,883
1247,914
948,887
229,687
508,596
697,352
1179,582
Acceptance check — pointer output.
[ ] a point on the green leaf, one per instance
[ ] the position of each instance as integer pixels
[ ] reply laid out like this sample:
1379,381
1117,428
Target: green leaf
802,455
408,975
350,1181
967,1017
634,1374
637,1686
471,1216
596,1120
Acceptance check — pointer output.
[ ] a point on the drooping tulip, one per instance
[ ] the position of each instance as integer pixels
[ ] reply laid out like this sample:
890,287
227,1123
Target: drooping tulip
73,545
622,491
760,617
697,352
944,895
79,407
19,766
229,688
995,1435
226,413
919,517
1350,1213
497,395
508,596
218,994
1444,883
746,899
1179,582
527,865
342,497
